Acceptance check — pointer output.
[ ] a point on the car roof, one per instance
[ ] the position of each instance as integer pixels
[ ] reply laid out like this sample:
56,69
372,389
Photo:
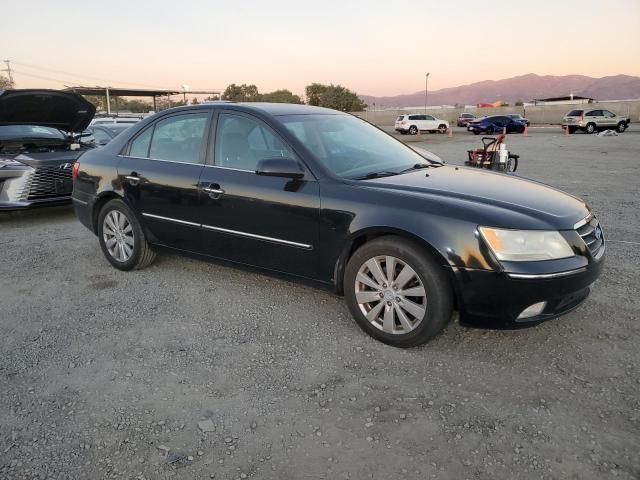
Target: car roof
274,109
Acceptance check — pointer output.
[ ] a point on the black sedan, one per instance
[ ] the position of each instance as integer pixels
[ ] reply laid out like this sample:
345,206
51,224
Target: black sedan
38,146
496,124
326,196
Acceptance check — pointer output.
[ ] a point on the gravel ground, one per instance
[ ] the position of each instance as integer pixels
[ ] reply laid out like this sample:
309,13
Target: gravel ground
191,369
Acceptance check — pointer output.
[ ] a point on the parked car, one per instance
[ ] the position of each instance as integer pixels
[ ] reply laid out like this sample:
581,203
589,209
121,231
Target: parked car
465,118
413,124
496,124
592,121
117,119
102,134
38,147
323,195
518,117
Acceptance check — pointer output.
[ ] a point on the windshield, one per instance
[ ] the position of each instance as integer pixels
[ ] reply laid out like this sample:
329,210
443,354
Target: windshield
350,147
11,132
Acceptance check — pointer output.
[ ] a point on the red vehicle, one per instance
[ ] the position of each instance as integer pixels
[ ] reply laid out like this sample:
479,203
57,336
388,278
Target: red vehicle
465,118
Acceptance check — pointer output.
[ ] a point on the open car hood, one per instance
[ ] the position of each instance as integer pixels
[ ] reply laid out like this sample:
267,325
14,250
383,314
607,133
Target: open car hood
66,111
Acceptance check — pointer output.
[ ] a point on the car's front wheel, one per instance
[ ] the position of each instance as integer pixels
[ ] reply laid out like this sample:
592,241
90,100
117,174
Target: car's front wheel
442,129
397,292
621,127
121,237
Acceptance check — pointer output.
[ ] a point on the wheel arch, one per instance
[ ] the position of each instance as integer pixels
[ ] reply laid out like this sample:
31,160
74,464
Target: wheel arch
359,238
98,203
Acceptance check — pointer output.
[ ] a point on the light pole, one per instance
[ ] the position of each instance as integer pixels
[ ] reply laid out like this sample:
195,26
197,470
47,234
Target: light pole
426,91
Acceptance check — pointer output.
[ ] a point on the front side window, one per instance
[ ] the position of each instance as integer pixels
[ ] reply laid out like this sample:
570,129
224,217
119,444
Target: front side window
608,114
179,138
242,142
348,146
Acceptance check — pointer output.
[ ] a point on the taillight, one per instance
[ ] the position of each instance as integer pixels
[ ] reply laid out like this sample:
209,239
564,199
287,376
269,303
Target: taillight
75,170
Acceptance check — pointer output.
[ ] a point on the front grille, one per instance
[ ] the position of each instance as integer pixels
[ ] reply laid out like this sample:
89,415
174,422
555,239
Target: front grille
591,232
51,182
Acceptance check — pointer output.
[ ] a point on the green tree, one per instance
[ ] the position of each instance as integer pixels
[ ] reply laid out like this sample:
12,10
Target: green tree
280,96
313,92
336,97
241,93
5,83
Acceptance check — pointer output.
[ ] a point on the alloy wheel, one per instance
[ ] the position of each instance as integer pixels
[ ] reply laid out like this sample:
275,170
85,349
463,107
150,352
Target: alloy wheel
117,234
390,294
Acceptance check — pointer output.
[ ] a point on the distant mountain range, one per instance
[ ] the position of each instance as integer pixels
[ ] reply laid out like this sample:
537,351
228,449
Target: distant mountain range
521,88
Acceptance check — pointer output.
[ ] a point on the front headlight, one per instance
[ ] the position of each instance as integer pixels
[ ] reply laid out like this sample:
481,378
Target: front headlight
525,245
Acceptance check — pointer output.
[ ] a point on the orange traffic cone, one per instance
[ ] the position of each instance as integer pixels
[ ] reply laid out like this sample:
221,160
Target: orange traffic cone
566,131
504,130
526,131
451,131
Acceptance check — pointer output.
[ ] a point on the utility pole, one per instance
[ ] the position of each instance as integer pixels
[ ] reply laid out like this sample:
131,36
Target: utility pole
426,91
8,70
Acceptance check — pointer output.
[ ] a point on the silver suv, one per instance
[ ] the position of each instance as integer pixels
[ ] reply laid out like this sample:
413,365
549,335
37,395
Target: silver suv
594,120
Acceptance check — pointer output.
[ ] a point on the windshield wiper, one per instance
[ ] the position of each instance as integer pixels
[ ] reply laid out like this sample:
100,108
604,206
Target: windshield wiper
371,175
419,166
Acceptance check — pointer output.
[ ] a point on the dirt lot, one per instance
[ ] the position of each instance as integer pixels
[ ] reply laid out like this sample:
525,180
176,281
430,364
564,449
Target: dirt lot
195,370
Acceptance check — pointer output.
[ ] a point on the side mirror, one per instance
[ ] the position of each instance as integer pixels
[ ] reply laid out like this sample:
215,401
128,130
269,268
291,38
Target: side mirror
279,167
103,142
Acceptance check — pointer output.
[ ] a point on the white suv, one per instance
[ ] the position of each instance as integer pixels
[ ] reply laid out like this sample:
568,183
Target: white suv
412,124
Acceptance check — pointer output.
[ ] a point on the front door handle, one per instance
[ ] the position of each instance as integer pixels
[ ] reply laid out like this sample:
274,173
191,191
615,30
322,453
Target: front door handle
213,189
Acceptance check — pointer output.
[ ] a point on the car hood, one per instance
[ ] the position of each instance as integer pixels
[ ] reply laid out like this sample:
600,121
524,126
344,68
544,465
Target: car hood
66,111
484,188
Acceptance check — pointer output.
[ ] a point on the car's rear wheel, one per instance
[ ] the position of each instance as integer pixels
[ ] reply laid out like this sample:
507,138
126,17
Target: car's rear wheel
397,292
121,237
413,130
442,129
621,127
591,127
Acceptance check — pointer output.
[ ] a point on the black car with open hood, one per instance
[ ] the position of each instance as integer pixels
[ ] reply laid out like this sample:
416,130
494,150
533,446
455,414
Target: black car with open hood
39,145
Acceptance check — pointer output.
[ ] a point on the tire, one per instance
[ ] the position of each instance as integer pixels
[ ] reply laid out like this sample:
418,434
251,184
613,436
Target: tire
392,321
413,130
572,130
475,132
621,127
442,129
591,128
140,254
512,165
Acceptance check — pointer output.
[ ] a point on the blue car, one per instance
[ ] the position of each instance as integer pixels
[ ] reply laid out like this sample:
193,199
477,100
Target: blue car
496,124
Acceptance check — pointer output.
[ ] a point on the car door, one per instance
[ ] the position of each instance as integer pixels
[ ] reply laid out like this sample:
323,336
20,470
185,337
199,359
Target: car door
159,173
609,119
264,221
430,123
593,116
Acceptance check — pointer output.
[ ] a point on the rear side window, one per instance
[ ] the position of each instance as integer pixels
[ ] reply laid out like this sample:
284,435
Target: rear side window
140,145
575,113
414,117
179,138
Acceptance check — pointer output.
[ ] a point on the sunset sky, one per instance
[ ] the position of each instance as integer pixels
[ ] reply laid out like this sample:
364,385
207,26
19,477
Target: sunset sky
371,47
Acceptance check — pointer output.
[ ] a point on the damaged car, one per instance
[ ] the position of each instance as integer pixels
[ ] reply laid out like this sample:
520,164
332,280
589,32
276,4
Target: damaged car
39,145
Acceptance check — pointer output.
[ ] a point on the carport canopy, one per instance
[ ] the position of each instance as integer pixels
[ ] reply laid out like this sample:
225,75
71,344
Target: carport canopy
136,92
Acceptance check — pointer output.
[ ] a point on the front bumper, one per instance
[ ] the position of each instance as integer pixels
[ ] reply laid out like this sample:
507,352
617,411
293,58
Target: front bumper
23,187
497,299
